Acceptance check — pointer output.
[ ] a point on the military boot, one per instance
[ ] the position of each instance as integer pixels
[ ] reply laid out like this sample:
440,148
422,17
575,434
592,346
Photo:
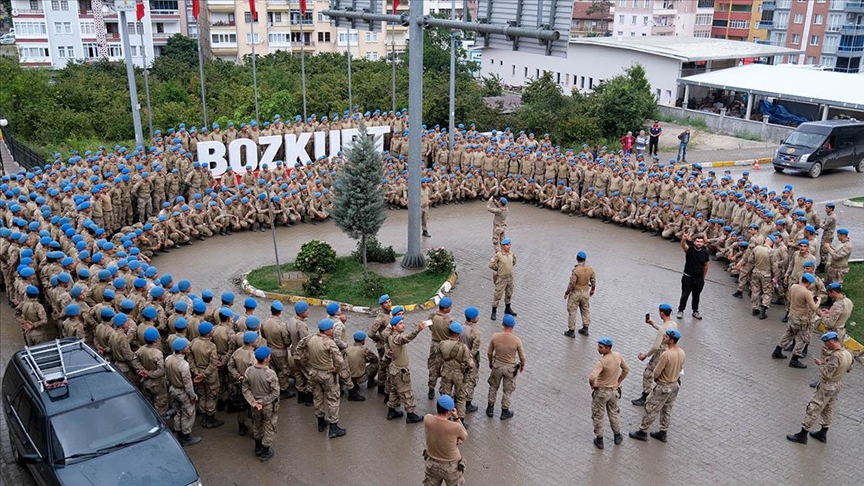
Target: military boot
242,429
794,363
800,437
392,413
494,315
598,442
490,410
187,440
640,402
336,431
413,418
470,407
354,395
259,447
821,436
583,330
763,312
266,454
659,435
778,353
509,310
506,413
322,424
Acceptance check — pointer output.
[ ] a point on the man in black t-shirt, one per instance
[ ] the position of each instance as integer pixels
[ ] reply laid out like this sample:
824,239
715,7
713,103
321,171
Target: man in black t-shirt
695,271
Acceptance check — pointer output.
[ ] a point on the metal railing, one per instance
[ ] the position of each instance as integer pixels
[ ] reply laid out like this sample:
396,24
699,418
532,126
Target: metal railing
22,154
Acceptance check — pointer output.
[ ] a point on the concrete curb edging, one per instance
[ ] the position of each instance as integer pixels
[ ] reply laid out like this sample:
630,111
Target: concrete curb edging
736,163
446,287
853,204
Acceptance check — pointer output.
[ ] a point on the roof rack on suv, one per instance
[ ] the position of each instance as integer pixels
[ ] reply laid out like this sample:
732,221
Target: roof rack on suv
46,362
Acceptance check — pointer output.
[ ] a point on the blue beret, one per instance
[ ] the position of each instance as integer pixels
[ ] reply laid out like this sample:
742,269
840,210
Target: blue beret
809,277
359,335
250,303
843,231
582,255
383,298
396,320
73,310
835,286
252,322
181,323
829,336
249,337
803,242
505,241
106,312
181,306
157,292
674,333
199,306
228,297
120,319
149,312
225,312
127,304
503,201
445,302
180,344
471,313
666,307
605,341
184,285
332,308
509,320
301,307
277,306
455,327
205,328
398,309
206,294
32,290
446,402
809,263
325,324
262,353
151,335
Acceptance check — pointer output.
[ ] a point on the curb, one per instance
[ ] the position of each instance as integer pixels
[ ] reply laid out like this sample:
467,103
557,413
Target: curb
737,163
853,204
446,287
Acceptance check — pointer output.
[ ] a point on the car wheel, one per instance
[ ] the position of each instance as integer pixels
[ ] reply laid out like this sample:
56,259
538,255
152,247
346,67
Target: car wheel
778,169
860,166
816,170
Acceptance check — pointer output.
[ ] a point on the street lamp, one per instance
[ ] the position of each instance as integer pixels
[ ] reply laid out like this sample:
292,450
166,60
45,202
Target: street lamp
130,69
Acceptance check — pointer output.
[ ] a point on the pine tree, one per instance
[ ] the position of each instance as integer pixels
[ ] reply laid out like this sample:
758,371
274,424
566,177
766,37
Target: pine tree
359,205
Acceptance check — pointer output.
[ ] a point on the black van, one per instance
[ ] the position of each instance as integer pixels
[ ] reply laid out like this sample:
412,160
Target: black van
73,419
816,146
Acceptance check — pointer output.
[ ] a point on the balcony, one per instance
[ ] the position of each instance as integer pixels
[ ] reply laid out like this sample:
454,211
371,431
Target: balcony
850,29
763,42
765,24
663,30
832,28
850,51
278,5
221,5
837,5
855,7
223,24
829,48
769,5
165,13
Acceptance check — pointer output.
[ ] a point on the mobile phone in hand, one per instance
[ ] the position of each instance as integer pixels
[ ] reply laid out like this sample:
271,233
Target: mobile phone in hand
647,316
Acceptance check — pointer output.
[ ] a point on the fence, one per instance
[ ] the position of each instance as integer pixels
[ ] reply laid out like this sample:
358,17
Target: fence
766,132
22,154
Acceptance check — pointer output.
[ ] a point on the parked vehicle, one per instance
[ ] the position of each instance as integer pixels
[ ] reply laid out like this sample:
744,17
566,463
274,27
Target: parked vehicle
73,419
816,146
7,39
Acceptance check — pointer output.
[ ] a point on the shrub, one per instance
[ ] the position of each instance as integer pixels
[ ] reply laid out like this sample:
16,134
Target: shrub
440,260
372,285
316,286
375,253
316,258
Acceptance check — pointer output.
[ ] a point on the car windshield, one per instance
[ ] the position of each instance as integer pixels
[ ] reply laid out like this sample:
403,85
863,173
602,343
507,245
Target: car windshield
805,139
102,425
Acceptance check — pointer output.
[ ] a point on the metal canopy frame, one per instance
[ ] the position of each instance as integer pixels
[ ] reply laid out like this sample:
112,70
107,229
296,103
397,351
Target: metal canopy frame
554,15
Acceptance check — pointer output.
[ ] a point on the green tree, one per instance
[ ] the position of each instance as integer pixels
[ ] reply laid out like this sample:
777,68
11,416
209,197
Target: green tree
491,85
359,205
622,103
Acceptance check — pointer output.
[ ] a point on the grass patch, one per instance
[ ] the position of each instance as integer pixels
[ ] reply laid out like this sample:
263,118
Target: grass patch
345,283
857,199
853,286
686,121
747,136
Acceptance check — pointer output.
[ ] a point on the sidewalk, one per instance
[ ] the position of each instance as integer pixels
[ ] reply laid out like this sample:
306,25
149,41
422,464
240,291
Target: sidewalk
9,165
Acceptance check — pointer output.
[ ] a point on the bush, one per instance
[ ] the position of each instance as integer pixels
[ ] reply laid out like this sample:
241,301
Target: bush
316,258
375,253
316,286
439,260
372,286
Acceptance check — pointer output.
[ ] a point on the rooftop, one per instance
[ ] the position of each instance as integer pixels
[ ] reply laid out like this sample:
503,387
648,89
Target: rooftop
794,83
688,49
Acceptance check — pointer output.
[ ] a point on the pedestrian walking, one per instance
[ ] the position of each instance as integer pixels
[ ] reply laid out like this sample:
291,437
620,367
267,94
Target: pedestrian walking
665,392
581,287
605,380
802,309
683,140
502,265
506,360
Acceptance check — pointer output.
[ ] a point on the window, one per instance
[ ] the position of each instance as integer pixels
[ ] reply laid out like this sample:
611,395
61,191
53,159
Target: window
34,5
66,52
582,82
91,50
526,72
633,20
810,60
817,19
55,5
703,19
739,24
647,4
558,78
827,61
279,38
63,28
799,18
247,17
621,19
274,17
87,27
322,17
796,39
645,20
590,83
814,40
323,36
226,38
30,28
253,39
620,33
135,28
781,20
371,56
34,52
537,74
622,3
741,8
64,5
115,50
702,34
296,18
632,34
344,38
835,20
372,37
635,3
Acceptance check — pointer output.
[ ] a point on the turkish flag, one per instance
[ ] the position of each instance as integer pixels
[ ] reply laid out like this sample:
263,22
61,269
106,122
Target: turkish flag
253,10
395,6
196,8
303,8
139,9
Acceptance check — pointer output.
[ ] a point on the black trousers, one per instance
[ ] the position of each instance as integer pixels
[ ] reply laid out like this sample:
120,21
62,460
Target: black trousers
652,145
690,285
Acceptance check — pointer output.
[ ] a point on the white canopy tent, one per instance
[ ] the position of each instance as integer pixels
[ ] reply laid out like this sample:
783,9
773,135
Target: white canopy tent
795,83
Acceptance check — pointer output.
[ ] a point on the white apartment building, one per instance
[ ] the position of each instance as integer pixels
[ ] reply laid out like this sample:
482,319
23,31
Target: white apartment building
644,18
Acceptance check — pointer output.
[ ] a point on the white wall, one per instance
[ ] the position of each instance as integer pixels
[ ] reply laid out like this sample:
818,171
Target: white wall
588,63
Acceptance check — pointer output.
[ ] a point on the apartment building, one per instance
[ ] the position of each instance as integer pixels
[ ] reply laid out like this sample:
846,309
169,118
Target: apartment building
830,31
51,33
231,32
643,18
591,18
738,20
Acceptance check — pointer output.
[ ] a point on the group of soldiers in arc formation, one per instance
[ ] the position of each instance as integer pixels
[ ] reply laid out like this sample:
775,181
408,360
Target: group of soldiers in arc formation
77,239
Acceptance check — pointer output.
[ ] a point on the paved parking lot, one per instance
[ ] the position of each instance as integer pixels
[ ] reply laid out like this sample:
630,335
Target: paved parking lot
729,424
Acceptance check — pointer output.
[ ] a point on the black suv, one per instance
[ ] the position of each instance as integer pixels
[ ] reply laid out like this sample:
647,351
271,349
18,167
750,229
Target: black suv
73,419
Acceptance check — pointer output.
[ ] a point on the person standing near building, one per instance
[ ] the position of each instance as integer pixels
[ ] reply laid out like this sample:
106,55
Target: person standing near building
324,365
502,265
182,392
627,142
663,396
831,371
696,259
605,381
802,308
654,137
683,140
581,287
506,360
499,222
444,434
261,390
829,227
657,348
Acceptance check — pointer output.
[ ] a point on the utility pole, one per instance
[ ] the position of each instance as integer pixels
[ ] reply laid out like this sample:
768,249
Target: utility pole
130,77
